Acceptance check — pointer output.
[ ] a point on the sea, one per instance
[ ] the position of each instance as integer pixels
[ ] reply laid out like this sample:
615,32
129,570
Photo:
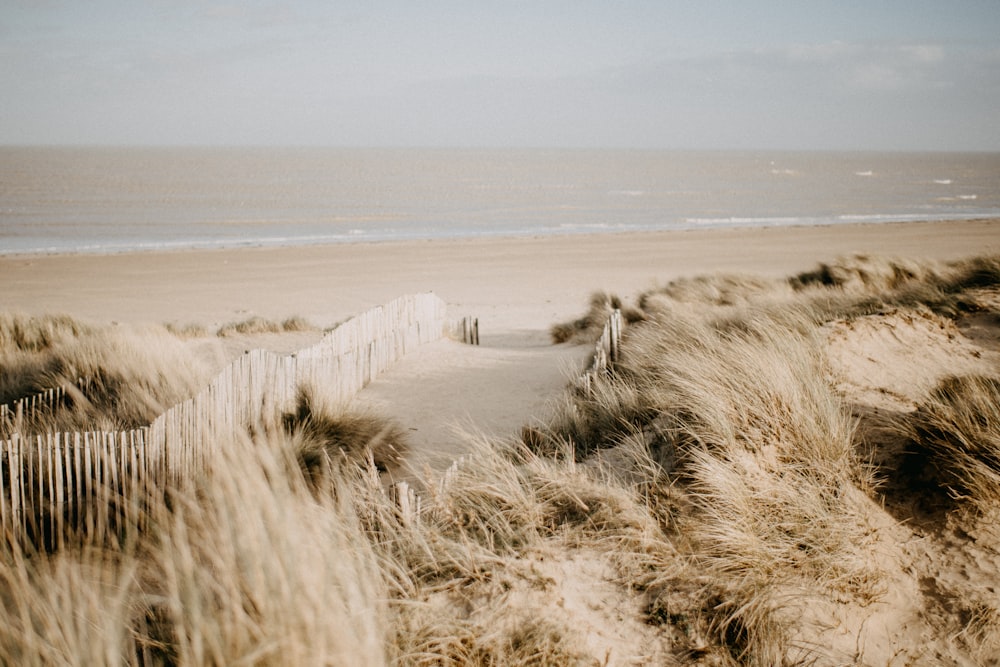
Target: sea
114,200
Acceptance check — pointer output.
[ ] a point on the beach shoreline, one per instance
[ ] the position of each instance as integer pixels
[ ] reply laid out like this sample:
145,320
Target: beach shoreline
501,237
511,283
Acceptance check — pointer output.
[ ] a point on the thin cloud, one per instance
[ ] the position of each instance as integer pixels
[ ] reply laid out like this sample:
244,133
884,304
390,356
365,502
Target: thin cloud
846,68
512,74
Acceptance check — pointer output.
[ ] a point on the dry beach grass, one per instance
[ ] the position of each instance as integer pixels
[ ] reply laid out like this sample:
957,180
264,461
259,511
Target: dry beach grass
797,470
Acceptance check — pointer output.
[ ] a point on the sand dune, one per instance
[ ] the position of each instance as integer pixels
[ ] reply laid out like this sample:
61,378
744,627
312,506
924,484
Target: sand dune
848,550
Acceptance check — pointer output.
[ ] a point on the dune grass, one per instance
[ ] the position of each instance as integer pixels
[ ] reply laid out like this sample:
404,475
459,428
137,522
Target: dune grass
116,377
862,283
588,328
724,382
326,433
246,564
260,325
259,561
958,429
249,326
250,567
714,471
35,333
762,451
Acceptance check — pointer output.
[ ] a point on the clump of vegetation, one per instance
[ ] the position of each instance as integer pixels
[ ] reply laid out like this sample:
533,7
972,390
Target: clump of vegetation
760,447
250,326
30,333
882,275
714,290
245,562
958,427
871,274
863,283
587,329
464,581
327,435
190,330
114,376
260,325
724,383
256,563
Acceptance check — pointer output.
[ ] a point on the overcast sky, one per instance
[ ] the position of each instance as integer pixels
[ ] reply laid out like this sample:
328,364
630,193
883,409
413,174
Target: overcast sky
782,74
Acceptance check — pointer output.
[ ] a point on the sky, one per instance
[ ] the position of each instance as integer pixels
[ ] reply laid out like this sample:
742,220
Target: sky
667,74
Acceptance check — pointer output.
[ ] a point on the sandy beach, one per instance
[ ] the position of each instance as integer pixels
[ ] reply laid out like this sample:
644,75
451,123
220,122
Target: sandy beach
511,284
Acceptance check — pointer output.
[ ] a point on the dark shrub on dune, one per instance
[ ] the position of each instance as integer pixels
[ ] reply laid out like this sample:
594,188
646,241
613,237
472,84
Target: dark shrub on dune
587,329
324,435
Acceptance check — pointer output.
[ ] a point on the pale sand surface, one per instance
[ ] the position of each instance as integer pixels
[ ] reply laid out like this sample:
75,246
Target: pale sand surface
935,562
446,392
511,284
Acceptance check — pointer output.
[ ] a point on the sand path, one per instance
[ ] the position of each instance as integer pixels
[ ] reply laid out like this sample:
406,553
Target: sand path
445,392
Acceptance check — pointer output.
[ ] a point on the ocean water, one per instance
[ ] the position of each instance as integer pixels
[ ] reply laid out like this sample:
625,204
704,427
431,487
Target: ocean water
108,200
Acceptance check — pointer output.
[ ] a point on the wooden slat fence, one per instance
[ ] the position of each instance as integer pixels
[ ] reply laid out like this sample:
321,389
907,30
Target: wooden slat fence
259,386
606,351
45,480
61,483
31,407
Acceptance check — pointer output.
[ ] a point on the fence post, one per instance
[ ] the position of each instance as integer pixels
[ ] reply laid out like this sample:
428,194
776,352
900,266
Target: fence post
4,446
470,330
60,497
88,480
616,334
78,481
16,485
408,503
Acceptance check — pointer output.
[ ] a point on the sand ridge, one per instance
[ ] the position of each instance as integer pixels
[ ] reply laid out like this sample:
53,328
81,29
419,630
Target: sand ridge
938,564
